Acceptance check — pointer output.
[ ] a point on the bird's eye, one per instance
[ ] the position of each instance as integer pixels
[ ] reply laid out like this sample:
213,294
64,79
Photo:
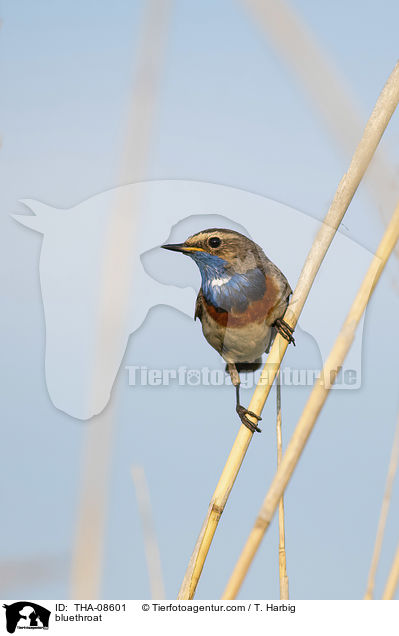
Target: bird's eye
214,241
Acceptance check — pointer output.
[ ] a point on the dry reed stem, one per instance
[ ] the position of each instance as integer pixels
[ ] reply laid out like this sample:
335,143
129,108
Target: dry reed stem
90,526
393,464
152,553
313,406
298,47
117,280
373,132
393,578
282,557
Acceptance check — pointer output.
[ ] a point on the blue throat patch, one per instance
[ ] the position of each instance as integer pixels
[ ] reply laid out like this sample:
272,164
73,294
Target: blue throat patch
227,291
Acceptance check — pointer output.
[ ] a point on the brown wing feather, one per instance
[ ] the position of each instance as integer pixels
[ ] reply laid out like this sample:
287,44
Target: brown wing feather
198,306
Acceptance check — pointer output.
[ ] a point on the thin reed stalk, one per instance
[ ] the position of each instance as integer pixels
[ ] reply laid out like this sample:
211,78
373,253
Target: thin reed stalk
116,283
282,557
393,464
393,578
151,547
373,132
313,406
297,46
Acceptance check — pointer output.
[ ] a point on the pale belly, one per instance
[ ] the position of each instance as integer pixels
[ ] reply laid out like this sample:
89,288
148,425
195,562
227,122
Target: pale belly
239,344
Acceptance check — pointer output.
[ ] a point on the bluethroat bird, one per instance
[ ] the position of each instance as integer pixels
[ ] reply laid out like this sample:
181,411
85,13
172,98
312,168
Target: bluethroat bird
242,300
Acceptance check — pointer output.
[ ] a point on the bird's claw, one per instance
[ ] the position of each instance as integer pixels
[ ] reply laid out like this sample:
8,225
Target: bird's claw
285,330
242,414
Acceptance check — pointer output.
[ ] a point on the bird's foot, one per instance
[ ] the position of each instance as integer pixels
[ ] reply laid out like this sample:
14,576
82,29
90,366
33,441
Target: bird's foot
242,414
285,330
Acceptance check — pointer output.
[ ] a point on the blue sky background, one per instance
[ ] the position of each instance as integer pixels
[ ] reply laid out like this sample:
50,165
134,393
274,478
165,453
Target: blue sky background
229,112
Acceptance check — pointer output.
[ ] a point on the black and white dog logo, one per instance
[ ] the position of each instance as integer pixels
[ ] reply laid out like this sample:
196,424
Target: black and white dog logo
26,615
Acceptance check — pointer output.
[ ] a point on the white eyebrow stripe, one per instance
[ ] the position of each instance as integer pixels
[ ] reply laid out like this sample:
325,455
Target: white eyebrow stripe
217,282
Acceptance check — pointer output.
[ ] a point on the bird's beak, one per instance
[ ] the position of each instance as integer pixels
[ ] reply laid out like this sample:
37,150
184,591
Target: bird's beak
174,247
180,247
